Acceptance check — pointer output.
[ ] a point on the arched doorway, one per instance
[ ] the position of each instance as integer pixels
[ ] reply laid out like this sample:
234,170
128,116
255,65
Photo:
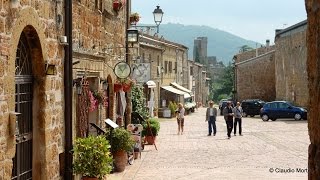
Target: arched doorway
22,162
29,66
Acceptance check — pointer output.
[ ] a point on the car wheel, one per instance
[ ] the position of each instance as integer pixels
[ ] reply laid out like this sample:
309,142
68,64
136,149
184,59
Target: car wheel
297,116
273,119
265,117
251,115
244,114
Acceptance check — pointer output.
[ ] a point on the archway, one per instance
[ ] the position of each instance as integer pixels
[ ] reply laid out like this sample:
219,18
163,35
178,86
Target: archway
29,89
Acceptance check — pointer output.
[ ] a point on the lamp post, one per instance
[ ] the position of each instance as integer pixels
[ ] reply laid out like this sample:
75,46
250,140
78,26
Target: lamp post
157,16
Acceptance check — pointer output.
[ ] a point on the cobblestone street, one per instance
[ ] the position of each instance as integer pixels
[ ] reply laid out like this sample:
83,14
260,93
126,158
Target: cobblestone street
267,150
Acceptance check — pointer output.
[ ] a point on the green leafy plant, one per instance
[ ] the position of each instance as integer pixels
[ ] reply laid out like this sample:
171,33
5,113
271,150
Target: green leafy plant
154,125
121,140
173,107
92,156
138,101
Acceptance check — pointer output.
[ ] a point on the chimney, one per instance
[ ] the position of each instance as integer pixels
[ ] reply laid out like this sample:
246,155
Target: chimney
267,43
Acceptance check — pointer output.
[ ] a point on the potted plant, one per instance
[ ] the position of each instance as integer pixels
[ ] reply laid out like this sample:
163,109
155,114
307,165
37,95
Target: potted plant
92,158
121,142
150,134
173,107
134,18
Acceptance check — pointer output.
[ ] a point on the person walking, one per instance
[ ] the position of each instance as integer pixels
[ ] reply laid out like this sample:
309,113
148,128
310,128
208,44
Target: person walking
211,115
237,111
180,118
228,117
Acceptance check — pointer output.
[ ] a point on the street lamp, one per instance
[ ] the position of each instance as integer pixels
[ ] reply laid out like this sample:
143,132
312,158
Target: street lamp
157,15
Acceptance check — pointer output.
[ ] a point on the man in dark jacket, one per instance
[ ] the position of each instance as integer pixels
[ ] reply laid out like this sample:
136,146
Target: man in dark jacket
228,117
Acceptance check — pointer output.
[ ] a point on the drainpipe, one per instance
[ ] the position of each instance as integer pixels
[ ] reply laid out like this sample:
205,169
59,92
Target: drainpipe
128,94
68,91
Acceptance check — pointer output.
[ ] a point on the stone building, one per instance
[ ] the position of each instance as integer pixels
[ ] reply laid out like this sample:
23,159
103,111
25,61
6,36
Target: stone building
159,64
255,74
290,64
31,97
199,83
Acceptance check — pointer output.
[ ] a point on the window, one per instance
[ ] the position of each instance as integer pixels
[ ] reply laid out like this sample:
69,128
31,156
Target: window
176,67
158,60
273,105
143,56
191,71
166,67
283,105
150,58
170,67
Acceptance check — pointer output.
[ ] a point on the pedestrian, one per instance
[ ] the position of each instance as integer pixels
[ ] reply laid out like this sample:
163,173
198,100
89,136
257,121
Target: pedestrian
228,117
180,118
211,115
237,111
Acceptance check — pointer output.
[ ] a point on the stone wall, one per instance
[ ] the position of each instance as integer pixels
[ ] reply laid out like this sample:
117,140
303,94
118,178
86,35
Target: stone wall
255,77
37,19
97,32
291,70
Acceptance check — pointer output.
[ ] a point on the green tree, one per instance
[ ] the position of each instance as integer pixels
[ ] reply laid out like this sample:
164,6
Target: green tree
222,87
245,48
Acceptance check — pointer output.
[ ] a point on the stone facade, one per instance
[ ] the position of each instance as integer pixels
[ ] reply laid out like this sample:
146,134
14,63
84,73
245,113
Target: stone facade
166,62
291,70
35,20
98,43
255,75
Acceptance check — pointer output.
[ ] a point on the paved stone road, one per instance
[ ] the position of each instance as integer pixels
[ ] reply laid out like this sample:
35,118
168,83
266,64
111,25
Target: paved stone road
267,150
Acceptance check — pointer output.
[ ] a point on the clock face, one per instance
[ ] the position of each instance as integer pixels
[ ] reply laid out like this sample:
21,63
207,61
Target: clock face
122,70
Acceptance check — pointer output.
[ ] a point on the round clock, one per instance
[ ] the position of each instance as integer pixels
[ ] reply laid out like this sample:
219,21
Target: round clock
122,70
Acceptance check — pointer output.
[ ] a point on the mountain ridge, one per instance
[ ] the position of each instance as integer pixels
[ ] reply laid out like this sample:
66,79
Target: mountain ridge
222,44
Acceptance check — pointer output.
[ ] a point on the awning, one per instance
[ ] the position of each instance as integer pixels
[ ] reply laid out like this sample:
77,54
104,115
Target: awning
180,87
176,91
151,84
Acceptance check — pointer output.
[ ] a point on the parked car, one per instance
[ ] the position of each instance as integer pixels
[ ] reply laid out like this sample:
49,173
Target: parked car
251,107
282,109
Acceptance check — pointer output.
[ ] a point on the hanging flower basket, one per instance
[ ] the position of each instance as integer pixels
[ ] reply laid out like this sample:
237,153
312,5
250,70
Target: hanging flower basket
126,87
117,87
117,5
134,18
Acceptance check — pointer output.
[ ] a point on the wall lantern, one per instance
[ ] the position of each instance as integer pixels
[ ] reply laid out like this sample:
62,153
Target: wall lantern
105,85
77,82
133,35
50,69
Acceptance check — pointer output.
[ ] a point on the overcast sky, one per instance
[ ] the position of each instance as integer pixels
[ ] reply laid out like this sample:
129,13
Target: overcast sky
250,19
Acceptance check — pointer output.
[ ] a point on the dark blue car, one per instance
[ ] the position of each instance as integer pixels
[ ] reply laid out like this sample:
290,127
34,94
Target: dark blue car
282,109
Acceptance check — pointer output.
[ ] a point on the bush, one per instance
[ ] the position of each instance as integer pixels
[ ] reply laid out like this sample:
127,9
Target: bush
154,125
138,101
92,156
173,107
121,140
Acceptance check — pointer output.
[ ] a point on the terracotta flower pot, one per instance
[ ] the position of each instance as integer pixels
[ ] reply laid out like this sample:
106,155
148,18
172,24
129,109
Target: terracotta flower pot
89,178
120,160
150,140
116,5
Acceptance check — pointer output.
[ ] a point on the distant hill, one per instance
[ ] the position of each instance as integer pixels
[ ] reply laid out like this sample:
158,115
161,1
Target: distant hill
221,44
